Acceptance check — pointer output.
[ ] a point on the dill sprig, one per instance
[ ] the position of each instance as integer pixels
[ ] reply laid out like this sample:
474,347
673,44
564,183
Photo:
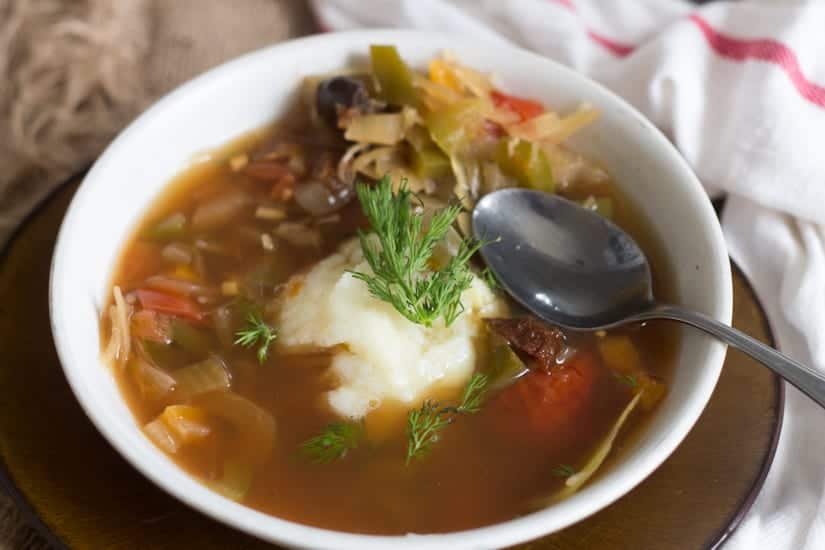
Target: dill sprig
334,442
425,423
423,426
257,332
474,393
564,470
400,259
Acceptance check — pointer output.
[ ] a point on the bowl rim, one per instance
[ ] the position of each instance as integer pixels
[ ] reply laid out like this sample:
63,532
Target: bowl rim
275,529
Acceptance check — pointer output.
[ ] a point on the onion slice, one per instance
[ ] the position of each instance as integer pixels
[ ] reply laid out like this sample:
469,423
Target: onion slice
235,481
158,432
345,172
152,382
255,427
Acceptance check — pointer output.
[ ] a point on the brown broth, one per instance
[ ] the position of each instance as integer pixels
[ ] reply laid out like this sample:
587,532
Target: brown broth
473,477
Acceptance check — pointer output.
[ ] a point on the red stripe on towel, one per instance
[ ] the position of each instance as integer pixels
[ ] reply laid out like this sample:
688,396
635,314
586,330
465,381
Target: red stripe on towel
764,50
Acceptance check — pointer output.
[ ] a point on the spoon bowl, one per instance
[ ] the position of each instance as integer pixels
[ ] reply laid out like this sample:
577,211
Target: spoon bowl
579,269
572,267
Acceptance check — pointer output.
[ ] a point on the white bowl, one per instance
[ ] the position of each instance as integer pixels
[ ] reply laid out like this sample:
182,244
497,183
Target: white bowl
255,89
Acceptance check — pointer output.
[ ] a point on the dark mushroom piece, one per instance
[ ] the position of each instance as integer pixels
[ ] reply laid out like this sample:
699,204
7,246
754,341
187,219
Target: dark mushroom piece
340,94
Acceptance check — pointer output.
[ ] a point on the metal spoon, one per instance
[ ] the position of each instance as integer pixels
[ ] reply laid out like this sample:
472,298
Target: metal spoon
572,267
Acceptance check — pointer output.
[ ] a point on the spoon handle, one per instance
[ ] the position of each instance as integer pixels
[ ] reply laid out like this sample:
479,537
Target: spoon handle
807,380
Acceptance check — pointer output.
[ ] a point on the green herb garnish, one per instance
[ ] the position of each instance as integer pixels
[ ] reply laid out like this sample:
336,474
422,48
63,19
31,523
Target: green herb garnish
257,333
474,394
424,424
333,442
564,470
401,258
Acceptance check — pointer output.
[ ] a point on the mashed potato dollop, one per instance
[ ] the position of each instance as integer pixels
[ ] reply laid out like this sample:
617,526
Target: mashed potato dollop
386,356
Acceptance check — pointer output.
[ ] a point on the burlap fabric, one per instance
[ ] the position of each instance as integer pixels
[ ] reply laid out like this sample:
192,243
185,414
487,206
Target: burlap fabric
72,73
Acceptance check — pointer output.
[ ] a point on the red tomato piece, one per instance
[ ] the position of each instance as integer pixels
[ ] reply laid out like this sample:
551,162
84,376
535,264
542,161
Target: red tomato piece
162,302
524,108
550,409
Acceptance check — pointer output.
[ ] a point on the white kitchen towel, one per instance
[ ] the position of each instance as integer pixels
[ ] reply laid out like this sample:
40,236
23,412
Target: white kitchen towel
739,87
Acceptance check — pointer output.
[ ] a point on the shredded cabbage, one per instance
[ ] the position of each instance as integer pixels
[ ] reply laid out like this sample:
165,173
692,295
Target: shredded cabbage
380,129
536,128
571,124
472,80
120,339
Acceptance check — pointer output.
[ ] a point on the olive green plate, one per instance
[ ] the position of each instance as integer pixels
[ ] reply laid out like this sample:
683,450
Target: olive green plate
81,494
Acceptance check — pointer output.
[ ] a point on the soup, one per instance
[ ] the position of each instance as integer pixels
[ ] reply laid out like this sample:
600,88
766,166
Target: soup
301,321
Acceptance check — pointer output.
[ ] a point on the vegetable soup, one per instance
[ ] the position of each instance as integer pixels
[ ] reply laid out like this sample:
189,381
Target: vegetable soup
302,322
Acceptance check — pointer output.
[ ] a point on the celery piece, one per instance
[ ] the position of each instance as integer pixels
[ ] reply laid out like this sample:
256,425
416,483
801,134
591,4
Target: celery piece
393,76
430,162
505,367
526,162
203,377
